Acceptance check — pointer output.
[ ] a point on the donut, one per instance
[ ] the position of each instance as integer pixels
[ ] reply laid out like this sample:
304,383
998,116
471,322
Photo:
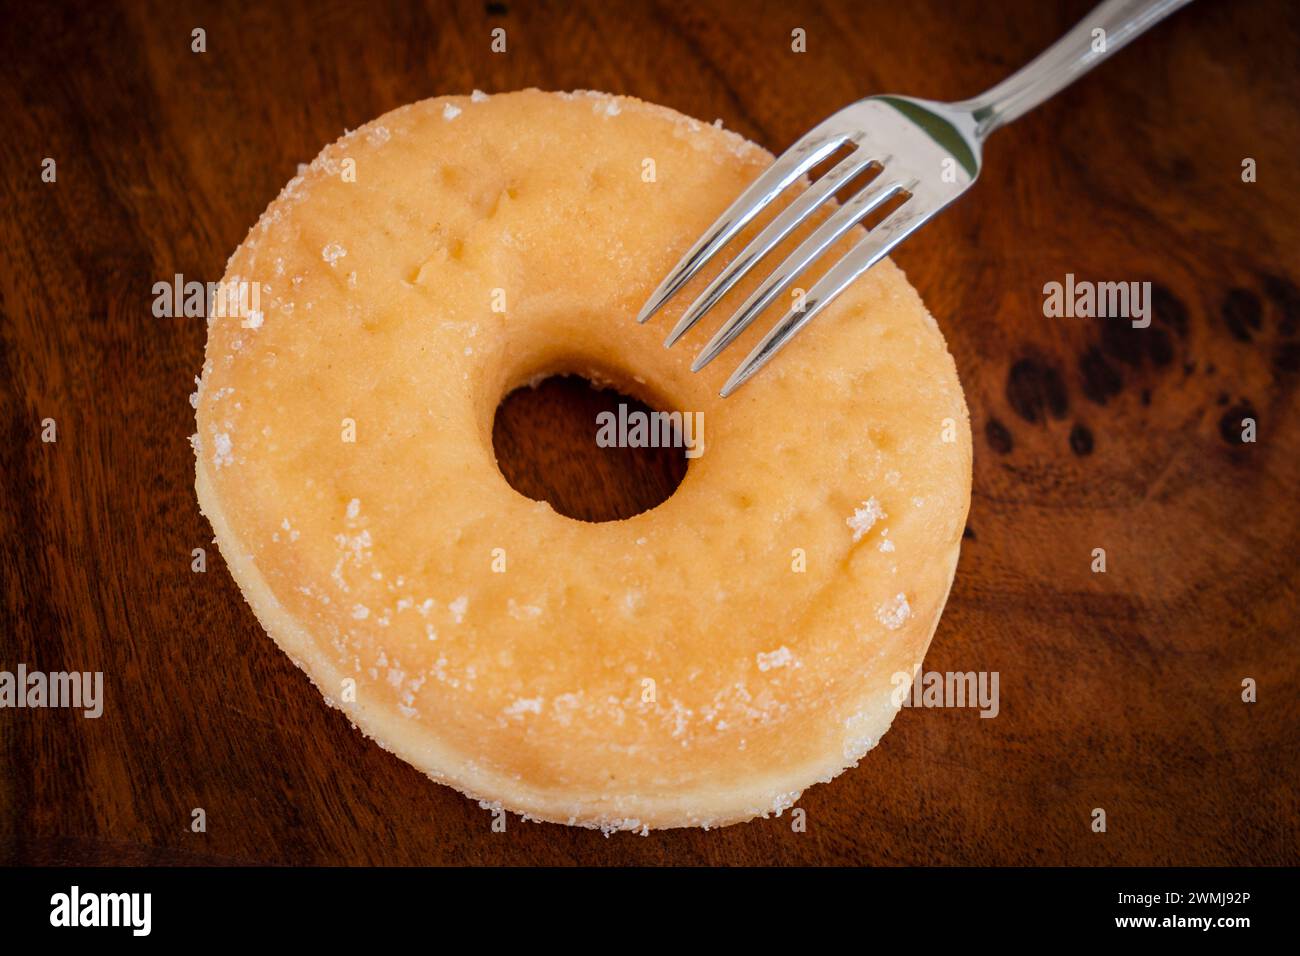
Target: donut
698,664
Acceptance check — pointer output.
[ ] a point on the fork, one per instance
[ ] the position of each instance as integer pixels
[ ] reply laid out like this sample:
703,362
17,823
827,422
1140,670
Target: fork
924,155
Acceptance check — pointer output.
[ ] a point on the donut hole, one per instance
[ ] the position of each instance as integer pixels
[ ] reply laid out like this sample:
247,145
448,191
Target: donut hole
550,447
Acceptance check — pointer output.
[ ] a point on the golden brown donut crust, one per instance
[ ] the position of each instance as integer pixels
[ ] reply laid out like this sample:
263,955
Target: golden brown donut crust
672,669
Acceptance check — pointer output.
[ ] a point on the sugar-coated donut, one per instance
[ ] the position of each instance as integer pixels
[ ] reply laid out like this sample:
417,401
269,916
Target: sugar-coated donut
698,664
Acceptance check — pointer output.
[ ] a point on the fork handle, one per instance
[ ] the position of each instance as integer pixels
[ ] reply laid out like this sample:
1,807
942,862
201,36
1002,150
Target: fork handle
1066,60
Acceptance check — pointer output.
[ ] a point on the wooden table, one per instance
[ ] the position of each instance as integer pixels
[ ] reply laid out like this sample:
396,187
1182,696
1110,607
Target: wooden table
1120,691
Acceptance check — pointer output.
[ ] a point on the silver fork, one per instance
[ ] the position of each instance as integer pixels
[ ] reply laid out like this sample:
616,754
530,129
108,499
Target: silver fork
926,152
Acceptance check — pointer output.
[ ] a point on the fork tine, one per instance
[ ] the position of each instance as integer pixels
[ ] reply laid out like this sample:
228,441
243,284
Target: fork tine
789,166
879,242
826,235
772,235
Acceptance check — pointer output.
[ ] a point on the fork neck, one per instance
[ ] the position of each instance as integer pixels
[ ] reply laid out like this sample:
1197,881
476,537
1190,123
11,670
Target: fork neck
1101,33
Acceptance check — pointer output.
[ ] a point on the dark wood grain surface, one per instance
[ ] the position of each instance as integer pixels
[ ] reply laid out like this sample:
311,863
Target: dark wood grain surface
1119,691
